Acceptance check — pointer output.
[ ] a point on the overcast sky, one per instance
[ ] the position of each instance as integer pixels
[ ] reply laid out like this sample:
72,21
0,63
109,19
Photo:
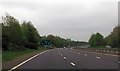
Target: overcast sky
75,19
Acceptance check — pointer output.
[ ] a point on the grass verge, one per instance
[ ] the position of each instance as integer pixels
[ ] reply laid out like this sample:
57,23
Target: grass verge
11,55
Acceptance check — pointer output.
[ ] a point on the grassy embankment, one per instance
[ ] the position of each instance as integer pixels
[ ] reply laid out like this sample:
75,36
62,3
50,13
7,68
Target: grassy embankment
11,55
0,60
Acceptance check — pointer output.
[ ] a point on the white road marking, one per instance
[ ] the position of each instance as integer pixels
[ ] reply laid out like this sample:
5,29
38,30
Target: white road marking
98,57
65,58
78,53
119,62
85,54
61,54
26,61
73,64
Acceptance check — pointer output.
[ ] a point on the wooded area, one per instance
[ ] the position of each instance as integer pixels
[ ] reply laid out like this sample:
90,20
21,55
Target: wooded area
112,39
18,36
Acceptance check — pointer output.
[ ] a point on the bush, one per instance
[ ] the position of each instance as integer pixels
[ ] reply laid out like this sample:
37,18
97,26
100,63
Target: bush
14,47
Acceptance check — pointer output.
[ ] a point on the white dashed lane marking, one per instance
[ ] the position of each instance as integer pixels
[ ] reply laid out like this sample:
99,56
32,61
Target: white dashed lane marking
59,53
65,58
73,64
85,54
98,57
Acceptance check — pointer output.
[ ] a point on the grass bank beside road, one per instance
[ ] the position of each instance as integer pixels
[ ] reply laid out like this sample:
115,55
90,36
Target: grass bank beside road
12,58
11,55
0,61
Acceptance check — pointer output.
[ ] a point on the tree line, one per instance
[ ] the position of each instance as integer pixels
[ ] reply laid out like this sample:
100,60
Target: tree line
59,42
112,39
19,36
16,36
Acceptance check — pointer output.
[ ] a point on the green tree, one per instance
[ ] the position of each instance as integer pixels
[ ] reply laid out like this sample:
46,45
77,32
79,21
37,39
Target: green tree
5,40
16,36
31,35
96,40
57,41
11,32
99,39
92,40
113,38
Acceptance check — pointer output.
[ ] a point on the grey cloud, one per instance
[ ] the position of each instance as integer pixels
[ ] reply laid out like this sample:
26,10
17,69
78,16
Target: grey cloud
68,19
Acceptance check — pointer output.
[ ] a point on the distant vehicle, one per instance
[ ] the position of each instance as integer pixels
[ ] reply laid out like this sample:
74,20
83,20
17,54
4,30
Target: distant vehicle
108,46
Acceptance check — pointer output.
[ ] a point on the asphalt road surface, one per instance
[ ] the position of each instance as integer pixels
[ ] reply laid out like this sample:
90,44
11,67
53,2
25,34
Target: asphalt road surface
66,58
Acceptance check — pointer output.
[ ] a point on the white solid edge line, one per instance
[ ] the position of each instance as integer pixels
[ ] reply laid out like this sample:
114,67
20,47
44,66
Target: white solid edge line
26,61
73,64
